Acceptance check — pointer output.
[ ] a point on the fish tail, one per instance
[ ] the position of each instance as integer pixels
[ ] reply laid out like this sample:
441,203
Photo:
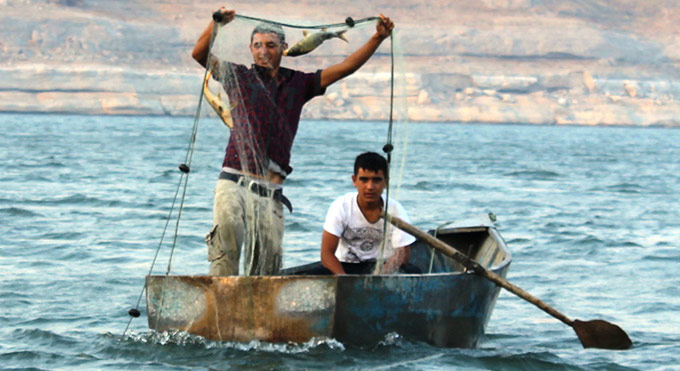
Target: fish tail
341,35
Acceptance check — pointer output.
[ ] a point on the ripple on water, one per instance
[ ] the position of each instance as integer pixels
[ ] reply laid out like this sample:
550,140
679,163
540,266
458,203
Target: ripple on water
623,244
589,240
73,199
67,236
19,212
533,174
632,188
164,177
522,361
429,185
665,254
34,357
42,337
518,241
114,260
36,164
299,227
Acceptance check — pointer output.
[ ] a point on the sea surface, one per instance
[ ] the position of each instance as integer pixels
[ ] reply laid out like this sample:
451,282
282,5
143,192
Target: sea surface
590,214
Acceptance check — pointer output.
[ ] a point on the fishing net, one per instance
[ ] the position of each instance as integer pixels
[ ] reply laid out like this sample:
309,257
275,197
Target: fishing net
262,119
261,130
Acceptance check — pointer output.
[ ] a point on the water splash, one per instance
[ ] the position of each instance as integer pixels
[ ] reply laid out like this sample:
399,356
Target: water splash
184,339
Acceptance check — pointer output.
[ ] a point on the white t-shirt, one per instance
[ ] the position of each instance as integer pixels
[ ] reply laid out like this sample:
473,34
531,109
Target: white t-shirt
359,239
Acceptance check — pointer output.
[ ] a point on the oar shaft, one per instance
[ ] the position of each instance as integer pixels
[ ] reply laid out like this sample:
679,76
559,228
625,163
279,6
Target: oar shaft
476,267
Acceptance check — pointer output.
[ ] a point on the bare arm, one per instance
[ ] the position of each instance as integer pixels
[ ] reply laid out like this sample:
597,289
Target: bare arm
202,47
329,243
357,59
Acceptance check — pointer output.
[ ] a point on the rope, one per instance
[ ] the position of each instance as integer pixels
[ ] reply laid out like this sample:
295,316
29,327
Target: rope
217,16
387,148
183,179
158,249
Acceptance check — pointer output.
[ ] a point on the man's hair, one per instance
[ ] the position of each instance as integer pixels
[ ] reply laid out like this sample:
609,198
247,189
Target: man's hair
371,161
269,28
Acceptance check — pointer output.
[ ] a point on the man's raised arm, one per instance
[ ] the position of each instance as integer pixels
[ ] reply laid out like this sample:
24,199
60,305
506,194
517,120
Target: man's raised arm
357,59
202,47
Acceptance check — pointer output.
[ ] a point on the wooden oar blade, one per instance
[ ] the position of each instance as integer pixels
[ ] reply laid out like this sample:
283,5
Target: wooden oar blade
601,334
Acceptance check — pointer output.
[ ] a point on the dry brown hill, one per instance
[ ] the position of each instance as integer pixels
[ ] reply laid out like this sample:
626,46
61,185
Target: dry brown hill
596,62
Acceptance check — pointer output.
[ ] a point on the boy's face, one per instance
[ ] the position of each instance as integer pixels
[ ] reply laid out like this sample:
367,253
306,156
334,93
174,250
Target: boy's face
369,184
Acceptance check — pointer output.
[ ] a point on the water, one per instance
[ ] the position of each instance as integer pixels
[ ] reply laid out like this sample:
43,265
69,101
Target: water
590,215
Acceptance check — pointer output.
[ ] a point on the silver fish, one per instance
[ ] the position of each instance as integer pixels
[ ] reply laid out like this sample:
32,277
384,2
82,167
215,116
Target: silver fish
217,104
312,41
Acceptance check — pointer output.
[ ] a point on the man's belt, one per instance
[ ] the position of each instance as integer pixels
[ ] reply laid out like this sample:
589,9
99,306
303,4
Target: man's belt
258,189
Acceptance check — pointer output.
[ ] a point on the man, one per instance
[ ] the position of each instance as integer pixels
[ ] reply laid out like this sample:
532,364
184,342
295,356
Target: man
248,195
353,230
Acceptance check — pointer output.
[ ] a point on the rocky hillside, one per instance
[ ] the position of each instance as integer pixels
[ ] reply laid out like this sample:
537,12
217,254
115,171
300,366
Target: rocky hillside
594,62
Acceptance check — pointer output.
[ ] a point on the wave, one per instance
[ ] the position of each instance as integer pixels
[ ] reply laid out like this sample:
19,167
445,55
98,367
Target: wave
632,188
70,236
38,165
534,174
19,212
589,240
183,338
44,337
625,188
519,240
76,198
300,227
13,295
83,199
426,185
30,357
164,177
623,244
522,361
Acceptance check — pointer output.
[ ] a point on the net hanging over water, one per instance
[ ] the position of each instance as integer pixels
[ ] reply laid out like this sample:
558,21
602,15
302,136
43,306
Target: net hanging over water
262,114
263,121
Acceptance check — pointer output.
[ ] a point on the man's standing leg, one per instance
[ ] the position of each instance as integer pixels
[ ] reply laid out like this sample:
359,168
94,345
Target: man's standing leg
226,237
267,237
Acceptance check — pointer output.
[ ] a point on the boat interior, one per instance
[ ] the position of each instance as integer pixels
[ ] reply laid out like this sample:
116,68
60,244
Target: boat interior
481,243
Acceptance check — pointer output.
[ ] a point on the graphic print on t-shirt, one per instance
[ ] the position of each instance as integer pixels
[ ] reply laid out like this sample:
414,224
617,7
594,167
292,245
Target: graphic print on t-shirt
361,241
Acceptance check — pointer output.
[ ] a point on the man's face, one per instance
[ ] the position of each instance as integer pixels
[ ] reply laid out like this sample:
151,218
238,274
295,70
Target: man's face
267,50
369,184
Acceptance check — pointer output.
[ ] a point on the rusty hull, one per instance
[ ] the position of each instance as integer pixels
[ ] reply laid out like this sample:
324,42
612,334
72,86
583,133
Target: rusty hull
449,307
239,308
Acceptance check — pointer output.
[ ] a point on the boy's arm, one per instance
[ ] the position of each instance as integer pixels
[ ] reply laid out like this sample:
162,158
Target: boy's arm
329,243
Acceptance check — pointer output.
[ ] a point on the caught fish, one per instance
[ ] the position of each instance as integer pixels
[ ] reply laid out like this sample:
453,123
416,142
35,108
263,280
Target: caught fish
217,104
312,41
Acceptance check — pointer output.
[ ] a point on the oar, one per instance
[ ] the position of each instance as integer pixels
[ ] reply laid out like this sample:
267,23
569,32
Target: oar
592,334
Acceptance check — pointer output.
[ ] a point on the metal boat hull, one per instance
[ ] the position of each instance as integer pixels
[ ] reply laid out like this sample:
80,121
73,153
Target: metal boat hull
448,308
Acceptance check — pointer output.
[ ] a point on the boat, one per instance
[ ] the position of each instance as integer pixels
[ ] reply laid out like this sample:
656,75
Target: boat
449,306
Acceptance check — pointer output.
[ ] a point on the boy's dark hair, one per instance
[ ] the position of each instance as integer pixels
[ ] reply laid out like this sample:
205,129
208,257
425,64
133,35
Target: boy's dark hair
269,28
371,161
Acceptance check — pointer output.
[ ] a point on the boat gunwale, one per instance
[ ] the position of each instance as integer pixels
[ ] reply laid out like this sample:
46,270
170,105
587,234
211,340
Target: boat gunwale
493,233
